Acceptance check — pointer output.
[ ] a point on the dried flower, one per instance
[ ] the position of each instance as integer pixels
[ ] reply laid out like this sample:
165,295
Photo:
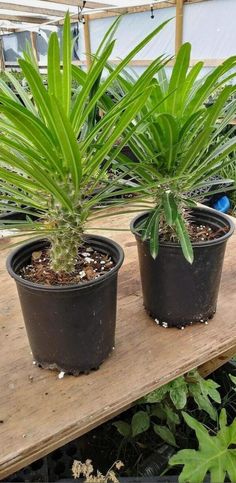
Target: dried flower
86,470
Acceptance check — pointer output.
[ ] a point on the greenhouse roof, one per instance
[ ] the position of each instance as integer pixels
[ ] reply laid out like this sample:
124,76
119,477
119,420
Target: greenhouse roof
21,14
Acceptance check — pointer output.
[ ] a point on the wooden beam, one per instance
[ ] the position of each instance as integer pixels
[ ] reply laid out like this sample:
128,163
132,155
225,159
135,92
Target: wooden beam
143,8
22,18
33,39
99,15
2,59
218,361
75,3
179,25
29,9
129,10
141,62
87,42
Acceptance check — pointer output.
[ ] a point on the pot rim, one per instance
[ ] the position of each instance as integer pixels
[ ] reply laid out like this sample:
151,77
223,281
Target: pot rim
199,244
57,288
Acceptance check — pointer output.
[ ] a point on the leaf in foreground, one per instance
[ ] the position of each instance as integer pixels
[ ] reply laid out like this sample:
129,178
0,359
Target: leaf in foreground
215,455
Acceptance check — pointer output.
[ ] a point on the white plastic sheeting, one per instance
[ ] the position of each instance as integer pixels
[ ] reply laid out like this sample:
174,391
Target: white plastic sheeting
133,28
15,43
210,27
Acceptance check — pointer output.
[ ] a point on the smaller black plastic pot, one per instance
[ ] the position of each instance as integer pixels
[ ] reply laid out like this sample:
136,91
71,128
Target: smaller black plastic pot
14,215
11,215
70,327
176,293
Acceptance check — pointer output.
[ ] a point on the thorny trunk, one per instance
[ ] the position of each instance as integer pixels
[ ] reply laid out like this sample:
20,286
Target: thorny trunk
65,241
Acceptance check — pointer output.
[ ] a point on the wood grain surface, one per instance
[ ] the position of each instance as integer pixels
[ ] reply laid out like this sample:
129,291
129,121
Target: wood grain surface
39,412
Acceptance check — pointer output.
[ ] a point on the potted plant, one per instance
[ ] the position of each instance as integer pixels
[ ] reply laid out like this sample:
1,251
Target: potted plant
53,155
180,245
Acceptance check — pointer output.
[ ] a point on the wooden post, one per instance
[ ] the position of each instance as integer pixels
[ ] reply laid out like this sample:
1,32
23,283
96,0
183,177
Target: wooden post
33,39
179,25
2,59
87,42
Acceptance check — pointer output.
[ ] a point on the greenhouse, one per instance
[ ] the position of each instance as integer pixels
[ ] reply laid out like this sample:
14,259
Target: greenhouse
118,241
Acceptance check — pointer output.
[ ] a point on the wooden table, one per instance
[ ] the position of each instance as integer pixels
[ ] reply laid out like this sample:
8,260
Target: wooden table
39,412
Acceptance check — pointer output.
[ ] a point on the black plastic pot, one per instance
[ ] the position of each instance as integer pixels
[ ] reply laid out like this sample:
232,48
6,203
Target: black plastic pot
157,461
11,215
70,327
129,153
14,215
176,293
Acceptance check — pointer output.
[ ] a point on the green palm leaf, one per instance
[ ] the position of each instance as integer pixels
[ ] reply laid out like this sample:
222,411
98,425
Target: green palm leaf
22,93
54,68
66,73
178,78
68,143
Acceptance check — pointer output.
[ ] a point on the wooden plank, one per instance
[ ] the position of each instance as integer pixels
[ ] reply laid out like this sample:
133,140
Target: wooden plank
2,59
30,9
87,42
33,39
147,62
129,10
139,62
21,18
75,3
179,25
211,366
41,413
144,8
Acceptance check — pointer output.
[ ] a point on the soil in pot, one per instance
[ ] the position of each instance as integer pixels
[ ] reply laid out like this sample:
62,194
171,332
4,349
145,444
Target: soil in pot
90,265
176,293
71,327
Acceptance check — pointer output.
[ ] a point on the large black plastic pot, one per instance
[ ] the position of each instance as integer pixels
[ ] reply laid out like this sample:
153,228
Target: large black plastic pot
176,293
70,327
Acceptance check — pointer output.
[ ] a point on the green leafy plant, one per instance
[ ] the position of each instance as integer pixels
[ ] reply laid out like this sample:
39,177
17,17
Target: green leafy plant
216,453
165,404
54,152
140,423
176,144
233,379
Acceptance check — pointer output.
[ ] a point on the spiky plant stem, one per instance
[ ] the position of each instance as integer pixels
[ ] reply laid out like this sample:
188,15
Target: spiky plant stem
65,241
